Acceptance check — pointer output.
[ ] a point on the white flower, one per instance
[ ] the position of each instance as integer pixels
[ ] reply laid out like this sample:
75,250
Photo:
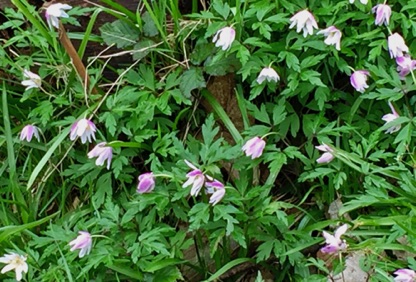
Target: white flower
195,178
55,11
16,262
334,242
333,36
405,275
383,13
103,153
327,156
405,65
28,132
362,1
359,80
83,242
305,21
224,38
83,128
390,117
254,147
268,74
217,189
33,81
397,45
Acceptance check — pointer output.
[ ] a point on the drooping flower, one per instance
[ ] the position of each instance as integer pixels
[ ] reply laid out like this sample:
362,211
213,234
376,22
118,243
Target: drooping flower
83,128
390,117
327,156
146,183
103,153
83,242
359,80
216,188
405,275
224,38
217,196
397,45
334,242
268,74
195,178
28,132
333,36
405,65
362,1
254,147
55,11
16,262
305,21
33,81
383,13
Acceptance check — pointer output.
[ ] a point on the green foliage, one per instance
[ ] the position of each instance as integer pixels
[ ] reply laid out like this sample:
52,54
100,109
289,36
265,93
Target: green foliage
157,105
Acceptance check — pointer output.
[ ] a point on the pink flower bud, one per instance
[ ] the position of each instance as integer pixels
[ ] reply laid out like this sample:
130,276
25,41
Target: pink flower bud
254,147
359,80
146,183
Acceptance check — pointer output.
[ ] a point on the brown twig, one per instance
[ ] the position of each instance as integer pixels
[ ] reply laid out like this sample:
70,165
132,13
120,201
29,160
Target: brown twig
76,60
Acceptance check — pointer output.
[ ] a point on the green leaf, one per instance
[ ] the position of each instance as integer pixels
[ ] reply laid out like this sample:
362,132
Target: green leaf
264,250
279,112
313,77
119,33
261,114
125,270
208,130
218,65
149,27
243,54
44,111
311,61
279,159
190,80
321,96
168,274
198,215
104,188
291,60
226,213
254,41
221,8
201,52
162,263
142,49
110,122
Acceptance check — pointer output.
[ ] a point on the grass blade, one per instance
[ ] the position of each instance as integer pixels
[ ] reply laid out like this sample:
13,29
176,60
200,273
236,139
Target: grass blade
14,185
46,157
223,116
227,267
